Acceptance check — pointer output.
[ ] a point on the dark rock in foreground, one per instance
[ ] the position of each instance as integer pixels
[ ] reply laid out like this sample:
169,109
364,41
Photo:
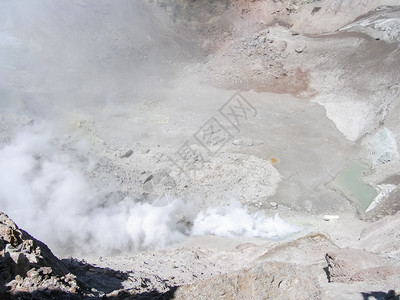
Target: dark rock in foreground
28,268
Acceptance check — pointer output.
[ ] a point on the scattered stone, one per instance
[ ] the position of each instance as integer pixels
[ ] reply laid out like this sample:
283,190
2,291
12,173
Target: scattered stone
274,205
315,9
127,154
299,49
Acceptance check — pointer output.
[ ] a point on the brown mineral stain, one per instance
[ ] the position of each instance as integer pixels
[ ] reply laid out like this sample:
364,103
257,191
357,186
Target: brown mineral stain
296,83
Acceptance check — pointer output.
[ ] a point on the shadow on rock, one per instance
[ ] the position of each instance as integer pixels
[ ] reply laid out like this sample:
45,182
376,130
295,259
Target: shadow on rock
390,295
47,294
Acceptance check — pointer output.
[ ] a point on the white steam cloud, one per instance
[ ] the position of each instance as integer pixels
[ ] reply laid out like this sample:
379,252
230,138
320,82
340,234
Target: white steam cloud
234,220
44,191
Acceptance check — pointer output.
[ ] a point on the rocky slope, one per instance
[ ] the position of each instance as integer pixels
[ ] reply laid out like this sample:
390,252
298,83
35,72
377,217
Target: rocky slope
292,270
28,267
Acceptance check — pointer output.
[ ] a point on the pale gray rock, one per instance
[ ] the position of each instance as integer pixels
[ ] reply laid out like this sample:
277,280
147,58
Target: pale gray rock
346,265
270,280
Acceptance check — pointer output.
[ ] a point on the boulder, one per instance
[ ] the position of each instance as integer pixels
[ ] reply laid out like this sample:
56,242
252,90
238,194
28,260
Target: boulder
345,265
271,280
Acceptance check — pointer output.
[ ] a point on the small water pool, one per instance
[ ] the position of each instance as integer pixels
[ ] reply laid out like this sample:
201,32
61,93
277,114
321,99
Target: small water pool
349,183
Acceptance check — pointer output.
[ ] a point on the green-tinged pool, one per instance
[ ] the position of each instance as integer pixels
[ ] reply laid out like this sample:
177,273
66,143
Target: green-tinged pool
349,182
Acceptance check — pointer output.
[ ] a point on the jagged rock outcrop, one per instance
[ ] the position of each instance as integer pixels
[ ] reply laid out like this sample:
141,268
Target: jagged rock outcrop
28,267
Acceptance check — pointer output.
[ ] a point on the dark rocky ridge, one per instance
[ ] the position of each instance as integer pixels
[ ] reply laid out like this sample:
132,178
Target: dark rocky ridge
29,267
